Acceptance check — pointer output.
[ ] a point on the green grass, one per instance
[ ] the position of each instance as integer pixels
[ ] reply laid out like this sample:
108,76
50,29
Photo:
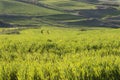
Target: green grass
15,7
52,12
52,53
68,4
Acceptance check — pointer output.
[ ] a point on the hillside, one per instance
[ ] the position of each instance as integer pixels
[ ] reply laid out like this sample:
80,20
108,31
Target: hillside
67,13
15,7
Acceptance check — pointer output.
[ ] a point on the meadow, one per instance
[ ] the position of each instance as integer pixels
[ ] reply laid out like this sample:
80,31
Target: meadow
84,46
53,53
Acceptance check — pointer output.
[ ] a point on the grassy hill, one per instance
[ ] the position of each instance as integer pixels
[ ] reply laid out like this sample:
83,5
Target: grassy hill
68,4
58,13
15,7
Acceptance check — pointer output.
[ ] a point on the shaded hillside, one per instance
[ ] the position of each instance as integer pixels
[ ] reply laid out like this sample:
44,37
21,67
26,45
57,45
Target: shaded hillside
98,13
90,1
4,24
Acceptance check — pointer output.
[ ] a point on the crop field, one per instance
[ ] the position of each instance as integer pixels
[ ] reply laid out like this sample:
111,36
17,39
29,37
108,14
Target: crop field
59,40
53,53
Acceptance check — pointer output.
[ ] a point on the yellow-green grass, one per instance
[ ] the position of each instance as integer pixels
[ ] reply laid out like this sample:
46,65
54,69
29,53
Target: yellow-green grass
69,4
52,53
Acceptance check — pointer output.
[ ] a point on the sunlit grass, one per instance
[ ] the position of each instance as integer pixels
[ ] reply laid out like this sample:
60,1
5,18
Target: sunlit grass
61,54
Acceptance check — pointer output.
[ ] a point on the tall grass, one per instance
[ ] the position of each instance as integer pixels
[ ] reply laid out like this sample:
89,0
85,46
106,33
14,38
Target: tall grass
63,54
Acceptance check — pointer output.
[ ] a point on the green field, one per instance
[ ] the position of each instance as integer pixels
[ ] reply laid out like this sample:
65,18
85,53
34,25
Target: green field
59,40
52,53
68,4
19,8
75,13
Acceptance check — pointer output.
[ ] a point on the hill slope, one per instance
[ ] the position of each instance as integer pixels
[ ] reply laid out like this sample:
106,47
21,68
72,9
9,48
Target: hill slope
15,7
59,13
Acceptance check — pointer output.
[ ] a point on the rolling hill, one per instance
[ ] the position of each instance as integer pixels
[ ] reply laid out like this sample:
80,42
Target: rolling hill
15,7
60,13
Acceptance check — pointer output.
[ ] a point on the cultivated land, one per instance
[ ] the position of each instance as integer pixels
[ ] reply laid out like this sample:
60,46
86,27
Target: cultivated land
60,54
68,13
59,40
